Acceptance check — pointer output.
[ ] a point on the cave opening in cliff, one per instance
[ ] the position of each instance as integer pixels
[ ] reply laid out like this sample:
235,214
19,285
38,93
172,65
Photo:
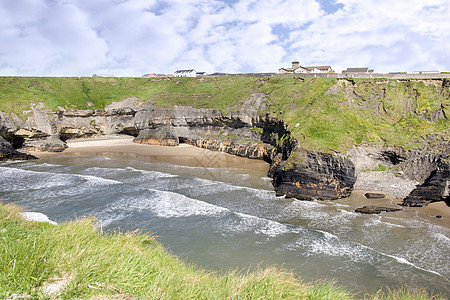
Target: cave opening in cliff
183,140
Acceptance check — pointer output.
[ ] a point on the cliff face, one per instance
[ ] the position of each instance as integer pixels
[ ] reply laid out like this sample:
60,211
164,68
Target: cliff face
302,127
242,131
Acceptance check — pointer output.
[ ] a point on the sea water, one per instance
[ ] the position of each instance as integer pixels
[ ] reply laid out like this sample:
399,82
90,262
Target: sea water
226,219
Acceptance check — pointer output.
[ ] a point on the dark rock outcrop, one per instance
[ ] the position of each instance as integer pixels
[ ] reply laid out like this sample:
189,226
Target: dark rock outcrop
313,175
7,152
375,209
435,188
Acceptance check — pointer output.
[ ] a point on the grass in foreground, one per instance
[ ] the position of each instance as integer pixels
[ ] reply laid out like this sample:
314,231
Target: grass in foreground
85,263
33,255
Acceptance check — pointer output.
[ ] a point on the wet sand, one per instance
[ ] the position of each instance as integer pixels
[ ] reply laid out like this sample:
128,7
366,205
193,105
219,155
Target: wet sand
184,154
429,212
187,155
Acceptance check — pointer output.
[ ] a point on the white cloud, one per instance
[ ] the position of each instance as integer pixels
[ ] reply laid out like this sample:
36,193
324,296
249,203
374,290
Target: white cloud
46,37
132,37
386,35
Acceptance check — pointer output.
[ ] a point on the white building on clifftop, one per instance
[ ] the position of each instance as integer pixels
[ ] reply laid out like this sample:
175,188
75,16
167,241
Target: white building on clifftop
185,73
297,69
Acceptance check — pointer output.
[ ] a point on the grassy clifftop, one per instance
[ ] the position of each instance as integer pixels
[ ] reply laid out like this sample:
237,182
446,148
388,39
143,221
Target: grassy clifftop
322,113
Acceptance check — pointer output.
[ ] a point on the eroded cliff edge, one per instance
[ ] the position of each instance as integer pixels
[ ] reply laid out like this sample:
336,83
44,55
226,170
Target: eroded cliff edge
317,142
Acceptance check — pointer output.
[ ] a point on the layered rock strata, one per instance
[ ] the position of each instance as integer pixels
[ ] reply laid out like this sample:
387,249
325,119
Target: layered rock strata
313,175
244,130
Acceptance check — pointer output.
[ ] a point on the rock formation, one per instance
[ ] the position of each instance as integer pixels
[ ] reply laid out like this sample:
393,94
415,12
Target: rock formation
435,188
313,175
8,152
374,195
246,130
375,209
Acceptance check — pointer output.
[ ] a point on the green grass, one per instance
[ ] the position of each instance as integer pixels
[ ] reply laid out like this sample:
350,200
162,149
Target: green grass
16,93
379,168
119,265
359,111
373,111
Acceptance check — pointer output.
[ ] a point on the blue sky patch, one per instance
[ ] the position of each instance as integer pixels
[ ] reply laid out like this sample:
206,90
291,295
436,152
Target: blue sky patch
330,6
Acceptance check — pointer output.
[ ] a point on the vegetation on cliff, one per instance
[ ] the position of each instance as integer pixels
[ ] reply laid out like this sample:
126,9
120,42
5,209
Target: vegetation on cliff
74,260
325,114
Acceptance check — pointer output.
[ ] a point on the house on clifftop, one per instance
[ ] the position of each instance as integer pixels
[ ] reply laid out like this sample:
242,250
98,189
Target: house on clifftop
185,73
297,69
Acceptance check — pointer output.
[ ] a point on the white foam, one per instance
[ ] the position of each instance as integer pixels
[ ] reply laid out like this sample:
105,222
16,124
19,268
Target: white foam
167,204
340,204
48,165
42,184
441,238
99,158
261,225
332,246
14,179
406,262
37,217
338,249
106,217
303,203
98,180
154,173
346,212
373,221
400,260
170,204
328,235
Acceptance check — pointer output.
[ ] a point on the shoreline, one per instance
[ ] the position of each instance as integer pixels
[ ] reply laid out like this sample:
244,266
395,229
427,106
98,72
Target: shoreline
122,147
183,154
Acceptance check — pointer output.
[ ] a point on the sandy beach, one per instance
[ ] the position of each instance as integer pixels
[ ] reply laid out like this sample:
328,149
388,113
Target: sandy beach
184,154
187,155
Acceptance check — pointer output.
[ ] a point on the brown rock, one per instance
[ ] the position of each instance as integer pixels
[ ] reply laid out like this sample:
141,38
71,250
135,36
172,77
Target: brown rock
374,195
375,209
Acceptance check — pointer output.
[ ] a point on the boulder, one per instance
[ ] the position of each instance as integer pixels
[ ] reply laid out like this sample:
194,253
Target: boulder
375,209
374,195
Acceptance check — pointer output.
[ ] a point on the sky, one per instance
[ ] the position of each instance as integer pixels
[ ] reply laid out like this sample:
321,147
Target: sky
134,37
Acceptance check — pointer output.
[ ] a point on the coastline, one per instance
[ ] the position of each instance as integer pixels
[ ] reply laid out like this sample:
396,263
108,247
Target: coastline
122,147
183,154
